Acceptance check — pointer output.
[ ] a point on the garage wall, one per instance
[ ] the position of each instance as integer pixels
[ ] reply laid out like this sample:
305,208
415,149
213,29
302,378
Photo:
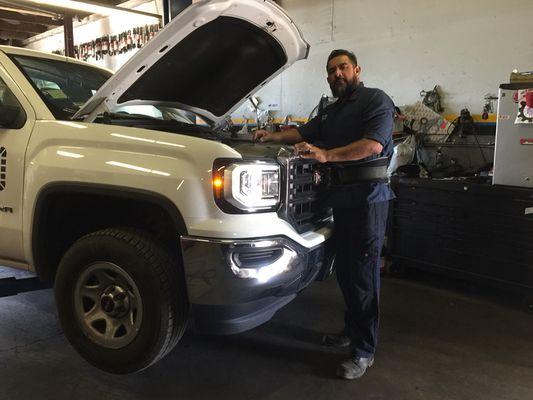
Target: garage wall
95,26
467,47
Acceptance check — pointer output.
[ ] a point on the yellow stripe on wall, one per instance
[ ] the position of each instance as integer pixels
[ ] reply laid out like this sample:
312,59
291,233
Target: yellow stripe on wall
477,118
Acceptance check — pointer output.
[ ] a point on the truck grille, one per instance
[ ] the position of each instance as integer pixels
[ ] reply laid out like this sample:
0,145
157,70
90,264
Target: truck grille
3,168
302,207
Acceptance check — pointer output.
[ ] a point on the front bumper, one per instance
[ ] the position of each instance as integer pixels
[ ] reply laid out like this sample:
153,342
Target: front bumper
236,285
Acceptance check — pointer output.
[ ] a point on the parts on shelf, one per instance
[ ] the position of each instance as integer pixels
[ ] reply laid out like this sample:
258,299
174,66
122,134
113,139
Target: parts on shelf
111,45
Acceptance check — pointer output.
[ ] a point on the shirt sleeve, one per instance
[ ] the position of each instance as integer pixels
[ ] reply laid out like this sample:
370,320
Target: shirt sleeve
310,131
379,118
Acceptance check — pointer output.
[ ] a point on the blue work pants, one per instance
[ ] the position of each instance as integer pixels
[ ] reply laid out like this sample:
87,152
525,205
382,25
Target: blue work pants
359,234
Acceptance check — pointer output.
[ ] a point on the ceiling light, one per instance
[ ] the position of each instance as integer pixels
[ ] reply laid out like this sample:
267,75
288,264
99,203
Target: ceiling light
30,12
90,8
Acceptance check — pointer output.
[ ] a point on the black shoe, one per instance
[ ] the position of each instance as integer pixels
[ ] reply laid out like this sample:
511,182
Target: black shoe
336,340
355,367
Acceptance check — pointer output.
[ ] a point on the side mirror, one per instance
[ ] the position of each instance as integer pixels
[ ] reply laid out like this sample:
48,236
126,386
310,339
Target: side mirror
9,116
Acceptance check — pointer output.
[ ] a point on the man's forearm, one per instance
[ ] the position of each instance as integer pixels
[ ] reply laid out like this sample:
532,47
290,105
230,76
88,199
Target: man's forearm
290,136
354,151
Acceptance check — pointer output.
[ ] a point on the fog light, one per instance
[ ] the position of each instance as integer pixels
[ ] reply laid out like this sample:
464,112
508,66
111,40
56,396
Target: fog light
263,274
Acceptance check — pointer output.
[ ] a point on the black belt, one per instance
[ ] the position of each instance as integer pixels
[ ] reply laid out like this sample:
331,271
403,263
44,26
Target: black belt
354,172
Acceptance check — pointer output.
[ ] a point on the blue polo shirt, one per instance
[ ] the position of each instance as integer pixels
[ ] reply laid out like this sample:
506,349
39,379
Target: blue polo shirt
366,113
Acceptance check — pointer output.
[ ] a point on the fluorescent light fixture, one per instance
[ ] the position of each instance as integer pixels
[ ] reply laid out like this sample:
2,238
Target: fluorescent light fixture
29,12
90,8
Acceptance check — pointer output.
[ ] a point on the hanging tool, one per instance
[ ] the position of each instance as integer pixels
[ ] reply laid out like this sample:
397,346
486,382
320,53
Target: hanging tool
432,99
488,108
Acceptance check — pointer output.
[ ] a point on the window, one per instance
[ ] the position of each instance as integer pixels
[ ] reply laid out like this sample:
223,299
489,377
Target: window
64,86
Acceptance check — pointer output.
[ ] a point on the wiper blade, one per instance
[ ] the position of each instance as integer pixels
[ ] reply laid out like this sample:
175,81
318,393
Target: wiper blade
108,116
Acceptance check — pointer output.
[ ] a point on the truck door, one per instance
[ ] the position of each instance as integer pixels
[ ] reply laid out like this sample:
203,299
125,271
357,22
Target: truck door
17,119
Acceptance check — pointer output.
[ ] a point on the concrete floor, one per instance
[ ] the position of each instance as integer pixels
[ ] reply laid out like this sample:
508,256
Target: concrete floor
435,344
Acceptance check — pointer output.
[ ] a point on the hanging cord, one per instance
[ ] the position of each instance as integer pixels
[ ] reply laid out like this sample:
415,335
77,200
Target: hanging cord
323,103
479,146
459,124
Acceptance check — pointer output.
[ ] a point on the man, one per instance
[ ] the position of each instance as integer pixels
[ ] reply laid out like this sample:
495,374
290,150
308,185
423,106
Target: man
358,126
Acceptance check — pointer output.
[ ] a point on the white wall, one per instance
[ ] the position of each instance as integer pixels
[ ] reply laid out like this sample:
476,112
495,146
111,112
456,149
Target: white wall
467,47
96,26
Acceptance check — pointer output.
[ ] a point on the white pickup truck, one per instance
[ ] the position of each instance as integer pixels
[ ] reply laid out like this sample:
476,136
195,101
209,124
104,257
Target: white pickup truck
144,220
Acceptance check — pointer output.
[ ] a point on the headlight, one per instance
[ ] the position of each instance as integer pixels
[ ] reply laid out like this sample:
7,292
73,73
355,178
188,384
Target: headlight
248,186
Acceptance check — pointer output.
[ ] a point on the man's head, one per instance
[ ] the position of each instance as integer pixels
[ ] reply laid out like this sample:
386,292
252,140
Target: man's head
343,72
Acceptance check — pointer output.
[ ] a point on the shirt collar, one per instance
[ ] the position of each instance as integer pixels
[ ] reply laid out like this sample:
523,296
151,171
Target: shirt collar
353,95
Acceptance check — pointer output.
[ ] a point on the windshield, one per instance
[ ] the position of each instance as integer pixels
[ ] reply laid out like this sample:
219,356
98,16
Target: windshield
64,86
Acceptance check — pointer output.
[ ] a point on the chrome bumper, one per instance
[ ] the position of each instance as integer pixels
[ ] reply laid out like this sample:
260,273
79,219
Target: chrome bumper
235,285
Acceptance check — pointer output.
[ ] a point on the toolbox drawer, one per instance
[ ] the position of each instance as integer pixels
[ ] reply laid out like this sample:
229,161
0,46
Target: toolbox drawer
477,230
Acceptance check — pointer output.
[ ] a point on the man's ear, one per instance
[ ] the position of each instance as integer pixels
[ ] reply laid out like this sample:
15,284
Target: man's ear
357,69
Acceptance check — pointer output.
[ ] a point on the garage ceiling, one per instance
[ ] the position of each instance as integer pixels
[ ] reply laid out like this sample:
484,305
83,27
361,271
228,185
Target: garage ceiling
20,21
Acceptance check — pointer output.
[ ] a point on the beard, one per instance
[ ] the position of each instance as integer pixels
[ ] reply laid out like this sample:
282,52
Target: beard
341,87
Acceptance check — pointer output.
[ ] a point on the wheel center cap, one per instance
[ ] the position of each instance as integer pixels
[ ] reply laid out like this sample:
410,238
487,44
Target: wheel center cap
115,301
107,304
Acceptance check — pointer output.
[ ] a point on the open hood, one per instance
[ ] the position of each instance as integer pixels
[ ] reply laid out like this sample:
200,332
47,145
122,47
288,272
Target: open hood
208,60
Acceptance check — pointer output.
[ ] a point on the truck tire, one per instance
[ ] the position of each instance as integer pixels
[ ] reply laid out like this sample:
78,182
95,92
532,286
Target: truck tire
121,299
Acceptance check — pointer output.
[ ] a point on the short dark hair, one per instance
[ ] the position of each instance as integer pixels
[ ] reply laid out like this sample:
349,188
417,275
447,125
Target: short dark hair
342,52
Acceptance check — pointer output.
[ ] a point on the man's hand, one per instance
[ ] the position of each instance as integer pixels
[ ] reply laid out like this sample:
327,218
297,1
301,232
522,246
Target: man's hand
306,150
261,135
288,136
